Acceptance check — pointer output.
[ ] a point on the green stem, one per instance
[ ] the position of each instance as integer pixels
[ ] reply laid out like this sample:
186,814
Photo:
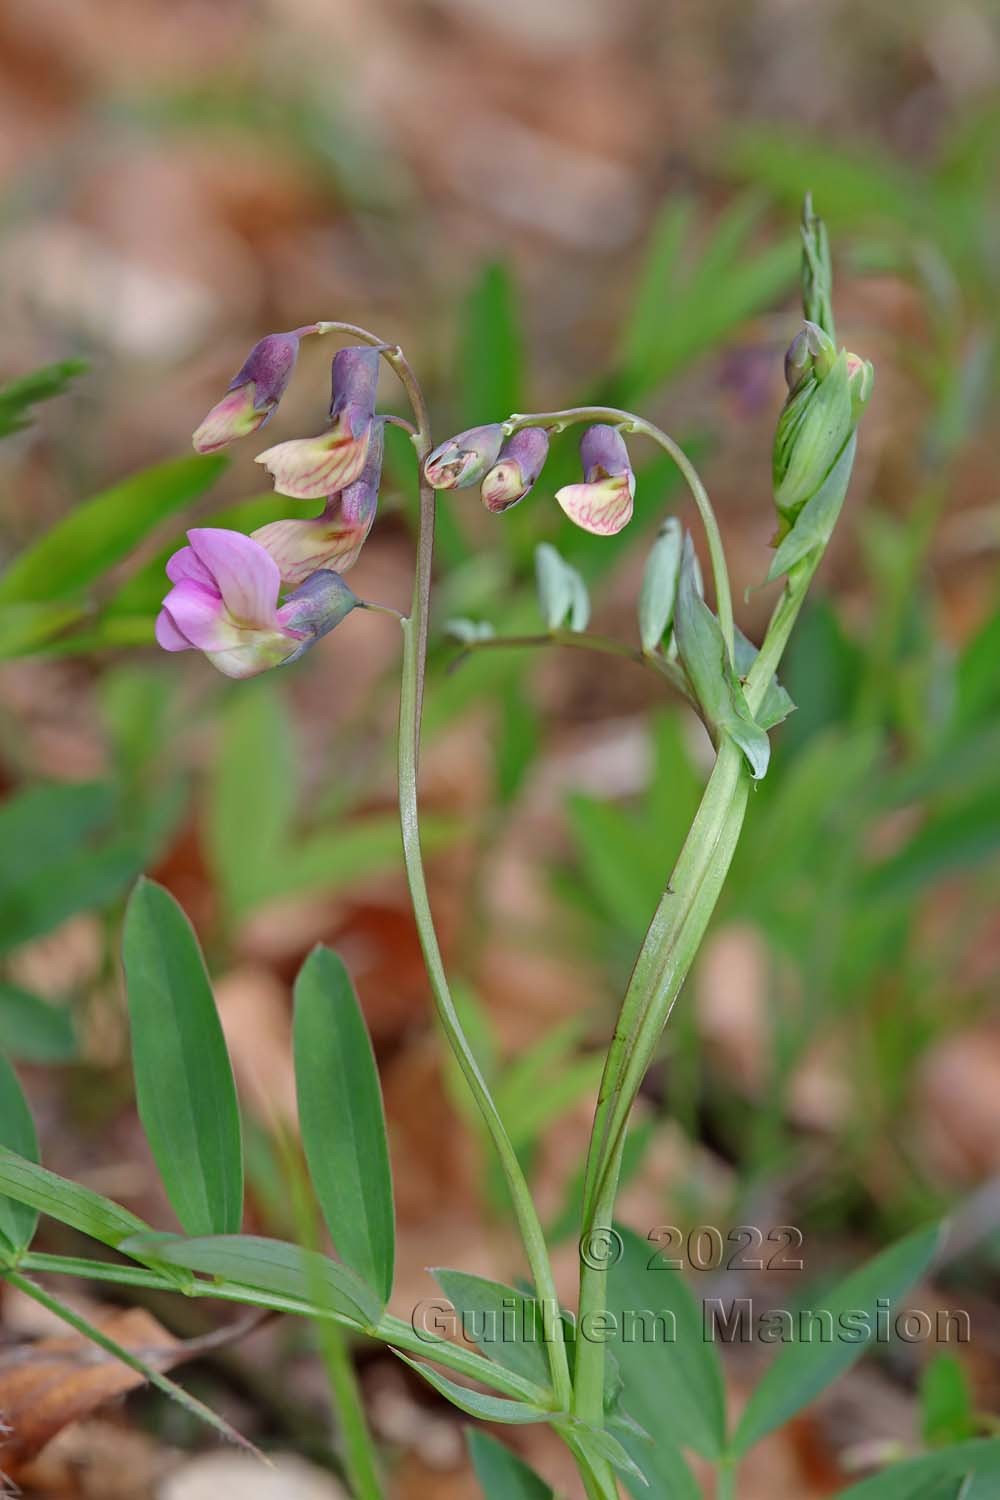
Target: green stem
585,641
556,421
359,1451
388,1330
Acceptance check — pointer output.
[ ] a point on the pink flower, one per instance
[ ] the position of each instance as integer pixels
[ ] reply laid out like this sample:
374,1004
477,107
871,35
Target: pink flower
603,503
312,468
224,602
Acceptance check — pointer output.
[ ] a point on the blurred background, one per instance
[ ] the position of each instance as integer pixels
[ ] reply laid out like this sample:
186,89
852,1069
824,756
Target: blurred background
544,203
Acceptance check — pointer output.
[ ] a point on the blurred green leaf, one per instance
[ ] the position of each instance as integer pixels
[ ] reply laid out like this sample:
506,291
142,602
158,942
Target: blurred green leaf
806,1367
672,1377
517,740
501,1474
270,1266
34,1030
184,1082
252,795
912,1479
490,358
622,863
100,532
26,627
19,396
474,1403
17,1134
954,839
562,593
544,1081
342,1121
504,1322
946,1413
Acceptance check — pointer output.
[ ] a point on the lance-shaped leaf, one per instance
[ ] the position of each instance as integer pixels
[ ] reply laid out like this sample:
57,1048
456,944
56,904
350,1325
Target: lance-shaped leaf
508,1326
69,1202
927,1478
814,523
710,672
487,1408
501,1474
269,1266
184,1081
19,396
17,1133
808,1366
34,1030
562,593
659,584
342,1121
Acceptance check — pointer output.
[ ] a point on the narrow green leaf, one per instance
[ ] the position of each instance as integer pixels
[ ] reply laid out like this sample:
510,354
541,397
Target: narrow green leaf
269,1266
184,1082
507,1325
805,1368
672,1376
659,584
102,531
70,1203
342,1121
562,593
17,1134
909,1479
33,1029
80,880
252,795
25,628
491,347
501,1474
19,396
945,1402
487,1408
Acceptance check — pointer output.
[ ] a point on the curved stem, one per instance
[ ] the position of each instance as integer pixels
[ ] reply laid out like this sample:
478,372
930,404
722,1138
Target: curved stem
584,641
556,421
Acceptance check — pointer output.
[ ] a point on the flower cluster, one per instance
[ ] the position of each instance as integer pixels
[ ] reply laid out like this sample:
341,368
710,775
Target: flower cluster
227,586
507,468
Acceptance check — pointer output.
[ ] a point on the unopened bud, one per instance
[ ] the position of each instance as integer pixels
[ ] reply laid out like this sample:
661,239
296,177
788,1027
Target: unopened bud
316,607
464,459
252,394
516,470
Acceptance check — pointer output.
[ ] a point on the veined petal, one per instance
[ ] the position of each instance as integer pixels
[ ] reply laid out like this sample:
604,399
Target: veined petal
233,417
312,468
301,548
245,574
199,617
603,507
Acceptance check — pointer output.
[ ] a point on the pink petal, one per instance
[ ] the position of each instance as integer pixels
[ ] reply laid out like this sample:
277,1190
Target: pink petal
312,468
246,576
167,634
200,618
232,417
604,507
185,564
301,547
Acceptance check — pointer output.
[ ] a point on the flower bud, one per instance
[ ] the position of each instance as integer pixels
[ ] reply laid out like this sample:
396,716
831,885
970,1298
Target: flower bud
334,539
252,394
312,468
860,379
603,503
464,459
354,376
516,470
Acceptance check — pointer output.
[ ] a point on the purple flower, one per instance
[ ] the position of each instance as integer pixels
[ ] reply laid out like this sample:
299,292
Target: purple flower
252,394
603,503
516,470
224,602
464,459
334,539
312,468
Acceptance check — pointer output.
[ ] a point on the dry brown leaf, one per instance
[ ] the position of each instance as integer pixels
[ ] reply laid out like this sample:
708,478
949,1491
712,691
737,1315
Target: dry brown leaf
47,1384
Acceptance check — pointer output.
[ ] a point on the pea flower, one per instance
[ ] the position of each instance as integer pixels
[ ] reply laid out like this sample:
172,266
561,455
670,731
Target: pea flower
334,539
312,468
517,468
603,503
252,394
224,602
464,459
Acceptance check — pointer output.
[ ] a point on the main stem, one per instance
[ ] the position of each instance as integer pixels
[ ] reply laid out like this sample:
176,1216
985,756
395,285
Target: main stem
411,696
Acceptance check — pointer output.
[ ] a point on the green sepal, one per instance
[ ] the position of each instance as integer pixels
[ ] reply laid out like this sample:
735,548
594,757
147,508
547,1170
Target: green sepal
710,672
659,584
562,593
814,523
